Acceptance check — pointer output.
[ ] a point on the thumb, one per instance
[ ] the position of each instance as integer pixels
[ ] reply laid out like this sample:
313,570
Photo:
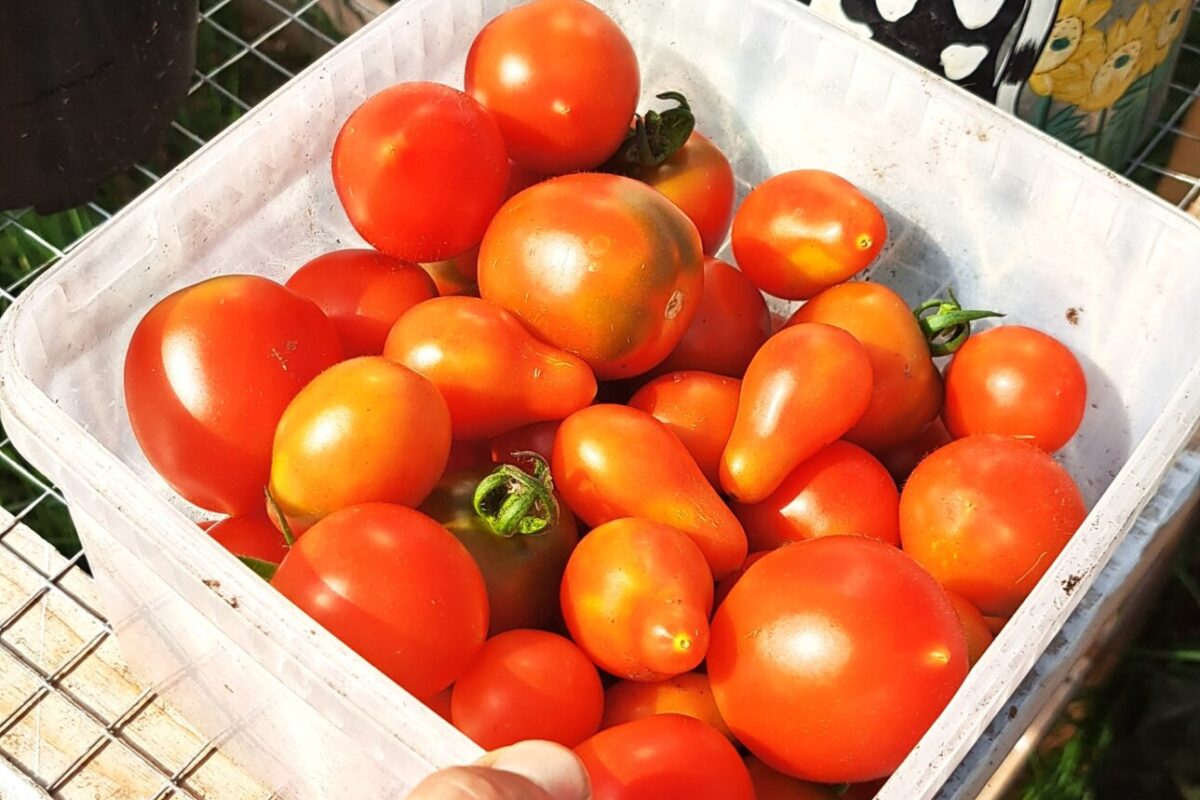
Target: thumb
550,766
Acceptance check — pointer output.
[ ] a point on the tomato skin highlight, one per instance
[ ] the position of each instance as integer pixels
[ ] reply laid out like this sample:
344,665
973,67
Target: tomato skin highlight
699,180
699,408
1015,381
561,80
841,626
603,478
363,293
494,375
420,140
688,694
251,535
636,596
987,515
396,588
190,363
600,266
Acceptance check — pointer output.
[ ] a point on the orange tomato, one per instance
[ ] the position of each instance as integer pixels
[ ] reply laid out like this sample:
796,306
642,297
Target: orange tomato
698,179
979,635
699,408
688,694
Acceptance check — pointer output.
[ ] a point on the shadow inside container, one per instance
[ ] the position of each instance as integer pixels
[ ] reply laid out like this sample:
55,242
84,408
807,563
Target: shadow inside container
1100,449
912,262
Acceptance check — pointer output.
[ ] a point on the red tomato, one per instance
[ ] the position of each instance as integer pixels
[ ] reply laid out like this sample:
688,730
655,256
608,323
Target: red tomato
842,490
731,323
468,454
830,658
805,388
536,438
420,169
699,408
528,684
987,515
664,756
601,266
494,375
601,467
726,585
396,587
902,459
979,635
699,180
363,293
995,624
251,535
455,275
770,784
440,703
561,80
804,231
208,373
636,596
364,430
688,694
1015,381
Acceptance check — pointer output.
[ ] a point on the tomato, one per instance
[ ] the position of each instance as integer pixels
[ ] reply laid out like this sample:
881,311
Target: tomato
863,791
440,703
842,490
455,275
995,624
770,784
1015,381
979,635
636,596
831,657
601,467
727,584
699,408
363,293
364,430
420,169
903,458
664,756
208,373
987,515
803,231
536,438
688,694
561,80
906,393
494,375
251,535
528,685
731,323
396,587
466,454
522,568
599,265
805,388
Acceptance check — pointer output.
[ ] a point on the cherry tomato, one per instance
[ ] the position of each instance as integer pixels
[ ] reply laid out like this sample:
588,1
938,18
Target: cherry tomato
903,458
601,467
521,567
731,323
979,635
364,430
208,373
599,265
440,703
805,388
528,685
494,375
455,275
636,596
906,392
688,694
363,293
699,408
561,80
726,585
1015,381
987,515
770,784
664,756
251,535
536,438
803,231
420,169
396,587
817,638
842,490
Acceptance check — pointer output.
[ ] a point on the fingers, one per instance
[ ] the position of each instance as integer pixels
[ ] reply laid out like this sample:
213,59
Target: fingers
525,771
477,783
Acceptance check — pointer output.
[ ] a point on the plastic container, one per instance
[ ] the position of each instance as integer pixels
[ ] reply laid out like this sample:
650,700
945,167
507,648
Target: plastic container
1014,219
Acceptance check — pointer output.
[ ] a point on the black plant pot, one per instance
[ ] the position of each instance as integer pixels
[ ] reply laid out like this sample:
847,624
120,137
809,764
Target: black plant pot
87,88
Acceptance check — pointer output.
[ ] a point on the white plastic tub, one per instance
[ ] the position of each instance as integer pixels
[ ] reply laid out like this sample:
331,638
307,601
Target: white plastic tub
1016,221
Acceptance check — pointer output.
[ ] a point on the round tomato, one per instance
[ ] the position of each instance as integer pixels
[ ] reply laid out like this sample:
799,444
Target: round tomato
699,408
536,438
903,458
363,293
208,373
528,685
364,430
803,231
1015,381
688,694
420,169
987,515
396,587
770,784
979,635
830,658
252,536
664,756
842,490
599,265
561,80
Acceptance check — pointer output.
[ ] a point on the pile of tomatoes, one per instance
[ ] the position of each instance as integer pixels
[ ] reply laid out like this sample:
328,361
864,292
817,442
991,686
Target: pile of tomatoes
560,475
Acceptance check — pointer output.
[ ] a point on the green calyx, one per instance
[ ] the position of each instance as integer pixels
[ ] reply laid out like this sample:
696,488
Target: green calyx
513,501
655,136
949,324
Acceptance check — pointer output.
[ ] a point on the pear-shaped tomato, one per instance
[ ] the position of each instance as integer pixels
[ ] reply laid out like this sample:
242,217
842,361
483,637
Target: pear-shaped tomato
699,408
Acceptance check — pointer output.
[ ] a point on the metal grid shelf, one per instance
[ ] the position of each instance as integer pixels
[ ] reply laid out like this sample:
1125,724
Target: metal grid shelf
73,722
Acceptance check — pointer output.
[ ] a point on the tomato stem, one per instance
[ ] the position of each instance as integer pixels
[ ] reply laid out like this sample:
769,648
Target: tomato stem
654,137
949,326
284,527
263,569
512,501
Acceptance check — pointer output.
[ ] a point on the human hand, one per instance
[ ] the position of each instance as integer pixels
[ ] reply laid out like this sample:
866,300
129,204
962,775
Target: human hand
525,771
